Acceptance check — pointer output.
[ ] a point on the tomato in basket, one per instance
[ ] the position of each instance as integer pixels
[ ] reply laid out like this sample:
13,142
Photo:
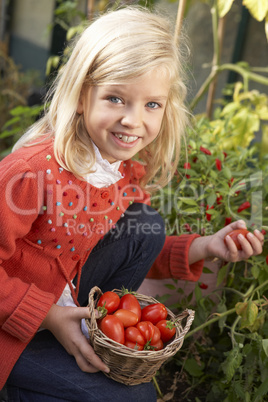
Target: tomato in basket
133,345
159,345
130,302
154,313
167,330
146,328
112,327
128,318
110,301
132,334
145,336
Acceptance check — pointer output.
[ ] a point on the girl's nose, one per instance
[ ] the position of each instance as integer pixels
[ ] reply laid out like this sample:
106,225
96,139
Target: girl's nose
132,117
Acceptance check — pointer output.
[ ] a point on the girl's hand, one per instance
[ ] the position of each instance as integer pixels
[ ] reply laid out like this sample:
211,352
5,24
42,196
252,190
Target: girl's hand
65,324
227,250
209,247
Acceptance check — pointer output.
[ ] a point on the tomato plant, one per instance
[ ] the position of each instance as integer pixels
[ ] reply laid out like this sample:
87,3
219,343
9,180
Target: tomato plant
130,302
112,327
154,313
234,236
128,318
167,330
110,301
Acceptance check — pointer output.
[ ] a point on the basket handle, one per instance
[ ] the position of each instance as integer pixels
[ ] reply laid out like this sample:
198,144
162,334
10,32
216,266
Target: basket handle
190,317
91,304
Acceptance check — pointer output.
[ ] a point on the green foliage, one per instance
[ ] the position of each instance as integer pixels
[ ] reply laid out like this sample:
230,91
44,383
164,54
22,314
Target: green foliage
226,351
14,90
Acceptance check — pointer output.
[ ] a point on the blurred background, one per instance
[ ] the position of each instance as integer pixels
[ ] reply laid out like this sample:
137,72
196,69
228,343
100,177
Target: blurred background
30,34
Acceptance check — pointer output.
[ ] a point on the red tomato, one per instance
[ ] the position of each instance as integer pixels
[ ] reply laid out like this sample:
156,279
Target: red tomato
154,313
167,330
158,345
146,328
130,302
110,301
234,234
133,345
128,318
132,334
112,327
156,335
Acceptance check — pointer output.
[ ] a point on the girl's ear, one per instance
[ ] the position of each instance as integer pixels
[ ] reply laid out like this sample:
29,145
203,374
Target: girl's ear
80,106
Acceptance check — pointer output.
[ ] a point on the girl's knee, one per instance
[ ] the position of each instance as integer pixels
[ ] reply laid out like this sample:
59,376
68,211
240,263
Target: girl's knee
146,223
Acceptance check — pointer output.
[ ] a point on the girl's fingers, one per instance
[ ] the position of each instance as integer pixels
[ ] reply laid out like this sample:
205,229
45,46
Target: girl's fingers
88,360
256,241
251,245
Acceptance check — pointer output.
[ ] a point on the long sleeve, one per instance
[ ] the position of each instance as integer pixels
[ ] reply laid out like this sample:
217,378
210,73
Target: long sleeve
23,306
172,261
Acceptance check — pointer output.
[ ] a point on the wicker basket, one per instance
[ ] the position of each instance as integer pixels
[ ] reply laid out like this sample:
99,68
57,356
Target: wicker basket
130,366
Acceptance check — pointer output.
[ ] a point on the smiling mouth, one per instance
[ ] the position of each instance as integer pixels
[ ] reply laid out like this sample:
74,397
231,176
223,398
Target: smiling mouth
126,138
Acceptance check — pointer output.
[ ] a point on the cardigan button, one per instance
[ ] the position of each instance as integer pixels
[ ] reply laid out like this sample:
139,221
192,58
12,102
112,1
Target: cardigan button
105,194
76,257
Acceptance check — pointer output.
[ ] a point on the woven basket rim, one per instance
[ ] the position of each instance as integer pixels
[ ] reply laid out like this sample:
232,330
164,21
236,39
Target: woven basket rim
96,335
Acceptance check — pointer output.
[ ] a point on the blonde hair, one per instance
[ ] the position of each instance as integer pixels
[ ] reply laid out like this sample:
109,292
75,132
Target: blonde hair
119,46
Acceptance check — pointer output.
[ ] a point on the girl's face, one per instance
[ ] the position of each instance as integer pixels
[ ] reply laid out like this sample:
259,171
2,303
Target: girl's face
122,119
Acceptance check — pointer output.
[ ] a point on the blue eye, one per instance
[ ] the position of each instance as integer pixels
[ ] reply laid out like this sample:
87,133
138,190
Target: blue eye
153,105
114,99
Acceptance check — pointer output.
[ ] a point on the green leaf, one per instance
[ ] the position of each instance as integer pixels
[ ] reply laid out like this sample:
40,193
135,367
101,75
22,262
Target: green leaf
255,271
265,346
188,201
207,271
252,312
170,286
261,391
257,8
227,173
230,108
224,7
211,199
222,274
193,368
232,363
198,293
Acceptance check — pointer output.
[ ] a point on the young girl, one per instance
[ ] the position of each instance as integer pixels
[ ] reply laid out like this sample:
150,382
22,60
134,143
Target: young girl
75,207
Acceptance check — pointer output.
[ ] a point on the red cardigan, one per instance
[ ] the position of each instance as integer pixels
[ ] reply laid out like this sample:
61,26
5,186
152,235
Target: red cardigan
50,221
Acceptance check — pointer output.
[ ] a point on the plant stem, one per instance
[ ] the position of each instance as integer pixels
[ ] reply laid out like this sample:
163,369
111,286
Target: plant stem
225,313
247,75
204,87
179,20
209,322
157,387
236,321
218,31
